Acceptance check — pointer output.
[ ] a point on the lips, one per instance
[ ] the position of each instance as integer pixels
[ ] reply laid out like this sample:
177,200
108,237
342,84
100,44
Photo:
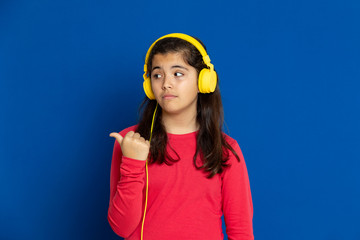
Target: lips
168,96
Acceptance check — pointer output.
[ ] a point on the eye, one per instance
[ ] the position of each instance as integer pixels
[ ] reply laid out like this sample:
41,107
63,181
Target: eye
156,76
178,74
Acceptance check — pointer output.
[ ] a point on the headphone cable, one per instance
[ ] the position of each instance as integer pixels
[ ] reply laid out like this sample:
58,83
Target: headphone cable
147,175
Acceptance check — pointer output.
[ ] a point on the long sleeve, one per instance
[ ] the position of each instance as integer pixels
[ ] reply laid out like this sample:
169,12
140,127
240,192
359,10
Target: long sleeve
236,196
127,180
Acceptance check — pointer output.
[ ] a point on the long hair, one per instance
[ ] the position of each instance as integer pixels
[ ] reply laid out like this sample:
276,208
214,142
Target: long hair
211,146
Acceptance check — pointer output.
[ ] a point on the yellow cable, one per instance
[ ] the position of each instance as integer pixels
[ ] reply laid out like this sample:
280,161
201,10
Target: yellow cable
147,176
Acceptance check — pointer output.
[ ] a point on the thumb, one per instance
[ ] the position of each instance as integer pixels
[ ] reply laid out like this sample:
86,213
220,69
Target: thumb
118,137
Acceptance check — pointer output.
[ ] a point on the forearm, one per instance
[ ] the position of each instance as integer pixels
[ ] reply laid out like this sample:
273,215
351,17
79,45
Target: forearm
126,204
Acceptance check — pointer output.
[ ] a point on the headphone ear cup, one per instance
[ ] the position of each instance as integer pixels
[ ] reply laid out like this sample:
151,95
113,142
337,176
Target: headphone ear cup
147,88
207,81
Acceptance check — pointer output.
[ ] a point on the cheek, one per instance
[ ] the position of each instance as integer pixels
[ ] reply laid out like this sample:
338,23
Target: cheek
154,86
195,84
191,89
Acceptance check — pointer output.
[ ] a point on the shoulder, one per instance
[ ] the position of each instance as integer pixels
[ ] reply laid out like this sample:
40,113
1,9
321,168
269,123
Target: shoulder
229,139
236,168
128,129
235,146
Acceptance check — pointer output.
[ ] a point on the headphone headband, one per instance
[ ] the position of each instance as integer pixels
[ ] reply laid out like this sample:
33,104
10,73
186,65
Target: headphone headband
187,38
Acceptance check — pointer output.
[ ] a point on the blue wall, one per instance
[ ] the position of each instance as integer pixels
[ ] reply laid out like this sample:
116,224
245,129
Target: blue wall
71,72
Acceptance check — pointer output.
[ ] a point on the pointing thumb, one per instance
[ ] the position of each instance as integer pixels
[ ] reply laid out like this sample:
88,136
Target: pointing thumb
118,137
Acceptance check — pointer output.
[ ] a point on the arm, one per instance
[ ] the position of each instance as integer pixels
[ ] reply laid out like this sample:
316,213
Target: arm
127,180
237,202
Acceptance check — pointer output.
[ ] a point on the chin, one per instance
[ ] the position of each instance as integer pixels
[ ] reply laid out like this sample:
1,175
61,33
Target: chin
171,111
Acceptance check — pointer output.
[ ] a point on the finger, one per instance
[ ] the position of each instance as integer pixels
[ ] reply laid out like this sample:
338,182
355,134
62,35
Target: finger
130,134
147,142
116,135
136,135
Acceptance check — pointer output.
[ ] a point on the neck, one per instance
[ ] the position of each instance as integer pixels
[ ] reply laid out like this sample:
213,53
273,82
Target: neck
180,123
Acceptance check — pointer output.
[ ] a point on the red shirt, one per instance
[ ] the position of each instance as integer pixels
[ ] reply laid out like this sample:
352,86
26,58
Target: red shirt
182,202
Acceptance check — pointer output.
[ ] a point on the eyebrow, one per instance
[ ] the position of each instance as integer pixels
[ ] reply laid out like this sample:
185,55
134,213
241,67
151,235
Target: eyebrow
175,66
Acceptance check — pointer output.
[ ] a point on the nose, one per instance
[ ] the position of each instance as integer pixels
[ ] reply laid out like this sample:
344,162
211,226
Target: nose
167,83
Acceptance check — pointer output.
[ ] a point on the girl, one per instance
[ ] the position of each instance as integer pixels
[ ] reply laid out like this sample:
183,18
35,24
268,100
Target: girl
179,183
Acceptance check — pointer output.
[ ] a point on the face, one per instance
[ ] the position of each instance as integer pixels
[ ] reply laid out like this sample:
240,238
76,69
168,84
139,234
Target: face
175,84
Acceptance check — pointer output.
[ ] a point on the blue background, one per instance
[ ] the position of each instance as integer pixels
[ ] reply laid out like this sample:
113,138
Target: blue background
71,73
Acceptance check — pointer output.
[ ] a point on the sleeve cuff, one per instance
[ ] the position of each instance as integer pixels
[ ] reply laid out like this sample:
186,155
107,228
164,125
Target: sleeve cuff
130,165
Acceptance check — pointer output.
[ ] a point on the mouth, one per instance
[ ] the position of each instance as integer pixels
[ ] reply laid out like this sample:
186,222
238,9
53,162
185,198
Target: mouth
168,96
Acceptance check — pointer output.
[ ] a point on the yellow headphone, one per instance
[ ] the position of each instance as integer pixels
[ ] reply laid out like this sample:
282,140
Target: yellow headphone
207,76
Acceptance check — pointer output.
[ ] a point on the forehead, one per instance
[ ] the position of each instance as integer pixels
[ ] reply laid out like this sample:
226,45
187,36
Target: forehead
170,58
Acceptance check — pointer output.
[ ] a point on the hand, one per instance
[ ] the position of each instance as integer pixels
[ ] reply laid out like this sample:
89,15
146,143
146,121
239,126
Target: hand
133,145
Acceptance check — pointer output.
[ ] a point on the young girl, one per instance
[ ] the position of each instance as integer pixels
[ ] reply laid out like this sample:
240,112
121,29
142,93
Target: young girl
176,173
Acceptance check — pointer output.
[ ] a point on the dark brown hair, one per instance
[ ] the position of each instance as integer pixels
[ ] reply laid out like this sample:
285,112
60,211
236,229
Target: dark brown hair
211,143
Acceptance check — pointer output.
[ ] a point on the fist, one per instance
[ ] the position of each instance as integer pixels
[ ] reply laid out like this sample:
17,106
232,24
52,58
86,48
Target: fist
133,145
